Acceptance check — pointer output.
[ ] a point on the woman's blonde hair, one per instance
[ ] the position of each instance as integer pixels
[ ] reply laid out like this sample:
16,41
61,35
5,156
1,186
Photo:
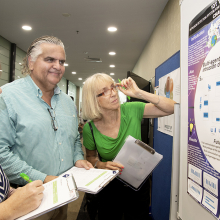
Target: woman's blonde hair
90,106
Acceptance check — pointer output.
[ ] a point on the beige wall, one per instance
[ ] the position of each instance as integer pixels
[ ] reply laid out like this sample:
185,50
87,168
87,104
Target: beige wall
77,99
20,54
163,43
4,60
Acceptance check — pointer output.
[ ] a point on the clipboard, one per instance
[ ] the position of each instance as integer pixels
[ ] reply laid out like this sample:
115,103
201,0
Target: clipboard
100,186
139,161
57,193
93,180
107,181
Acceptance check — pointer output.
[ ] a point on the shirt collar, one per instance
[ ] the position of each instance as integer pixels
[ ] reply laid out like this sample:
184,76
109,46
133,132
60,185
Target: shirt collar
37,89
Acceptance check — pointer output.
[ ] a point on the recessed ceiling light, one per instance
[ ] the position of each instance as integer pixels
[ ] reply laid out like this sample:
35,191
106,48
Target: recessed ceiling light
0,70
83,82
73,72
112,66
66,15
63,85
65,64
112,74
19,63
112,29
112,53
79,78
27,28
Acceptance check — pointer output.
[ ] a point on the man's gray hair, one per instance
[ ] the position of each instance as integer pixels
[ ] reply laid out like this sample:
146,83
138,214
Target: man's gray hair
35,50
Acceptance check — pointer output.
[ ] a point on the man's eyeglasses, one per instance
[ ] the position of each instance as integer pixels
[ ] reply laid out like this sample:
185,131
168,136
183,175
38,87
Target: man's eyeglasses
108,91
53,120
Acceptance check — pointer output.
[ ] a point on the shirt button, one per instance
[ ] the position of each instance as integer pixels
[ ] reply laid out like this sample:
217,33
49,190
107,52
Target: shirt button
37,95
59,143
73,115
62,159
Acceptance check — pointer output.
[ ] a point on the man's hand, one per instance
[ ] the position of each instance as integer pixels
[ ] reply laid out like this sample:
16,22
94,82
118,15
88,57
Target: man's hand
23,201
83,164
49,178
0,90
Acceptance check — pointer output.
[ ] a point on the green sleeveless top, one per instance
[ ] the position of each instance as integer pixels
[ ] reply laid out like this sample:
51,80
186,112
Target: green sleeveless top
108,148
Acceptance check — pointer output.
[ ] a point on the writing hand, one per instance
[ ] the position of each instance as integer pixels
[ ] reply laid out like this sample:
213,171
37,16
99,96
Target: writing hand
24,200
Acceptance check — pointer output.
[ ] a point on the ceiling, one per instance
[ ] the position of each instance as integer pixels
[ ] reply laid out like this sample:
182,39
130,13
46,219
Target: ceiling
85,30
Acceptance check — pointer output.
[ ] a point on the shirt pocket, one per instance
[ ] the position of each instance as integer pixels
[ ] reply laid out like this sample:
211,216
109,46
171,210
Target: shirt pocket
69,125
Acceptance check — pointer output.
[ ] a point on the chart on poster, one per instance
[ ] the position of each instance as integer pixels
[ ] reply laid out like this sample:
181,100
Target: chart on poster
169,87
204,108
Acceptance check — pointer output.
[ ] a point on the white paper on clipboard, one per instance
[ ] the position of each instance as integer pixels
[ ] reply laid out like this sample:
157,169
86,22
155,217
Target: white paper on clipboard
139,161
57,193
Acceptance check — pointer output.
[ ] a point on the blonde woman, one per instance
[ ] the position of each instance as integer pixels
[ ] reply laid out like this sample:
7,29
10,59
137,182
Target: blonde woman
111,124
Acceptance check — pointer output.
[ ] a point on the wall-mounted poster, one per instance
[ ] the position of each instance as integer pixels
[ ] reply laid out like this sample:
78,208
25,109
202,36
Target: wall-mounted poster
169,86
204,108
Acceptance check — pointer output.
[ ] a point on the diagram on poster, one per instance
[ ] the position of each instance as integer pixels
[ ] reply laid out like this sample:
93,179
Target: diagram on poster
169,86
207,107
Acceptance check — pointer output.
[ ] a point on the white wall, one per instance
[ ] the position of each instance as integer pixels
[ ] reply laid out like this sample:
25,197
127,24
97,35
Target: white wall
72,90
80,98
63,84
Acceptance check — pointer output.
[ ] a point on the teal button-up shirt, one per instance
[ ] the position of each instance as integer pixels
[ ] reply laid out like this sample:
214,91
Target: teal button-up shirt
28,142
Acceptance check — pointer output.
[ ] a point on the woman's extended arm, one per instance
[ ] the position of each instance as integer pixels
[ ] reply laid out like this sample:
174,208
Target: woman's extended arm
159,106
91,156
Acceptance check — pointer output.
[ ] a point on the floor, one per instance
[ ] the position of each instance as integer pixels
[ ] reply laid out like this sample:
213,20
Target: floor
74,207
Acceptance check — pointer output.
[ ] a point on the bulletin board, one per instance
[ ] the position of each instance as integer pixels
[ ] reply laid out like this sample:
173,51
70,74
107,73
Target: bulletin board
161,178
